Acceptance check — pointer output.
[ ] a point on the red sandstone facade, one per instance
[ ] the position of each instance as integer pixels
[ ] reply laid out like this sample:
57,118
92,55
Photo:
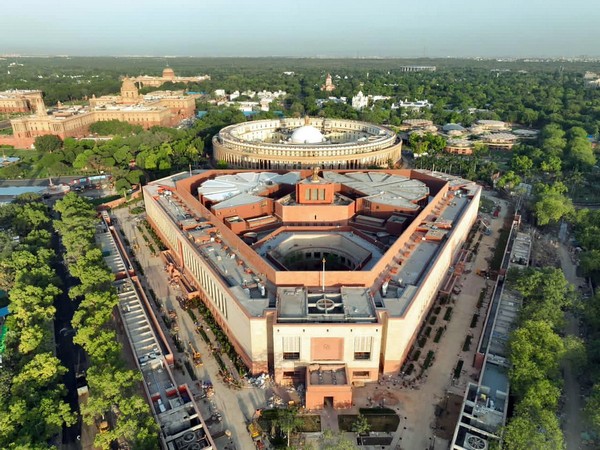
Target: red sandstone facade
296,347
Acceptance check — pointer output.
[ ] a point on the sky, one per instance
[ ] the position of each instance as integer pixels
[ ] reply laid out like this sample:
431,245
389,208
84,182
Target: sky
302,28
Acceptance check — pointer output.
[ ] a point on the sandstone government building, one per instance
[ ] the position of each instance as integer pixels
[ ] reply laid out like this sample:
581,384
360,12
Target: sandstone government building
319,276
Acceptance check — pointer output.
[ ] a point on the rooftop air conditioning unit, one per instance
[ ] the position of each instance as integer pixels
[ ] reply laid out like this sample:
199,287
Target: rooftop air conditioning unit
473,442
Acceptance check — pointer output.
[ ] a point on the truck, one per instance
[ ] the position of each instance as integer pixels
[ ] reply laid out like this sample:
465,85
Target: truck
196,356
256,434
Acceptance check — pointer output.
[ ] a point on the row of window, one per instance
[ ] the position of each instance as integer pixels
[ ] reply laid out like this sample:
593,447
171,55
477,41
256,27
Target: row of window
358,356
355,374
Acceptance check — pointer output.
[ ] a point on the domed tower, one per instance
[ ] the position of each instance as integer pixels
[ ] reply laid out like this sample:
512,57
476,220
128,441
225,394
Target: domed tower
328,86
168,74
129,91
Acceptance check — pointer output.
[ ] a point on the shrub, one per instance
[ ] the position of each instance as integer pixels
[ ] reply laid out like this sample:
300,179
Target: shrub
432,320
448,314
416,355
428,360
427,331
474,320
467,344
438,334
458,368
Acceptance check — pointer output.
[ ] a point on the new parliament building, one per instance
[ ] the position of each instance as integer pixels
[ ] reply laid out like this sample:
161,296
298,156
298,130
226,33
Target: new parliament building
319,276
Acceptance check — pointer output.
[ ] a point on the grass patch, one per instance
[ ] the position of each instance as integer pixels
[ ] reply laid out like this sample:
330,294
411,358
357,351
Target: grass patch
382,421
458,368
467,344
448,313
309,423
438,334
432,320
437,309
486,205
422,341
500,248
474,320
102,200
416,355
427,331
410,369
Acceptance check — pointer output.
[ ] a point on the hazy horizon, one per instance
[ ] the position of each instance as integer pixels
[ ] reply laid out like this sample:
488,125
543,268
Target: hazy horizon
307,28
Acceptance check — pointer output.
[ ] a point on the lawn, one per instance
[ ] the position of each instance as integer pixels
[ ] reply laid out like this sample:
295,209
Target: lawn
380,419
500,248
311,423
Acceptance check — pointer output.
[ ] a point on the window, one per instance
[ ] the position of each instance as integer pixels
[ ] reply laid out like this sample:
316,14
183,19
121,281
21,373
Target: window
362,355
360,374
289,374
291,355
307,194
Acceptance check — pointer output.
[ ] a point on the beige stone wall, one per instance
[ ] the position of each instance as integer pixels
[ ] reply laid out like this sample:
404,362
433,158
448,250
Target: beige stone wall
401,332
311,337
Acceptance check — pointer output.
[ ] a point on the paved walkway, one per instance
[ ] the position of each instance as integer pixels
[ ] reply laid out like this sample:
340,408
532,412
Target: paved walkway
417,403
236,406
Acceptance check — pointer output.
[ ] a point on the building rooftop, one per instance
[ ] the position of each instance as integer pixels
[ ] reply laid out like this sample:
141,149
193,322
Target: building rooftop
298,304
352,249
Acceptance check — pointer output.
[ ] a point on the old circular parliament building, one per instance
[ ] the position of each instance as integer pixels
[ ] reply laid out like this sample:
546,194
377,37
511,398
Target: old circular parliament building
302,143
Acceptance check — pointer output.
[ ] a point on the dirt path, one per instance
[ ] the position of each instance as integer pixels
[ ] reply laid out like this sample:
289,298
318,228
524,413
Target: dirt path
573,417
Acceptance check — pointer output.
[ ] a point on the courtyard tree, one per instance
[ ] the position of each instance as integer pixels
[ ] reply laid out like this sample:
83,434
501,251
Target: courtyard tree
48,143
361,425
288,421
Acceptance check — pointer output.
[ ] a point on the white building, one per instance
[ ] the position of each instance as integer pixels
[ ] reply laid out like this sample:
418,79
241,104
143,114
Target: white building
417,104
220,93
360,101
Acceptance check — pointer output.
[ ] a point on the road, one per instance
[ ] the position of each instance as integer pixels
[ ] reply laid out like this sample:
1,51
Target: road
573,420
71,355
236,406
38,181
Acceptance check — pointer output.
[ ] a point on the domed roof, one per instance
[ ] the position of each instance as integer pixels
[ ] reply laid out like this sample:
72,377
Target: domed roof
168,72
453,127
307,135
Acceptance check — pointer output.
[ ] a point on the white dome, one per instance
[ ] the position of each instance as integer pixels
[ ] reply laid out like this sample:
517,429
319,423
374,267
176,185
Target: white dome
307,135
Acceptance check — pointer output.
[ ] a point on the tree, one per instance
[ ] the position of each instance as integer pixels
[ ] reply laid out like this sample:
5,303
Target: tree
537,429
361,425
535,352
288,421
48,143
509,180
335,441
581,154
522,164
551,204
